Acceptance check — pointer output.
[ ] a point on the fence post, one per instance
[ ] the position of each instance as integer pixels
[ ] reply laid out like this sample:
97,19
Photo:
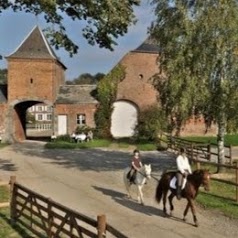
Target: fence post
50,218
230,150
101,226
236,181
13,199
192,151
209,151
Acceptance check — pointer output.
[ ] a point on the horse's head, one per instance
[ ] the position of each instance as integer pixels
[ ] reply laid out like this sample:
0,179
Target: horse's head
205,177
147,170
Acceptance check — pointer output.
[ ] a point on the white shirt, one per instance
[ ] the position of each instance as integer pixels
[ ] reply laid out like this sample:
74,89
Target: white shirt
183,164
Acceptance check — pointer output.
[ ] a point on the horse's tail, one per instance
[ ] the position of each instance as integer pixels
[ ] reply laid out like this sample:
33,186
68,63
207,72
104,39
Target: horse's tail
159,191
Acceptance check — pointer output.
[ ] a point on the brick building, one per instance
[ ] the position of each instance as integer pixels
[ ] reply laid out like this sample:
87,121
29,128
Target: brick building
36,75
136,93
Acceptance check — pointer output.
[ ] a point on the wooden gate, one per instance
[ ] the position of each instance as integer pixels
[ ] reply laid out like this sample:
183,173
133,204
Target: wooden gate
46,218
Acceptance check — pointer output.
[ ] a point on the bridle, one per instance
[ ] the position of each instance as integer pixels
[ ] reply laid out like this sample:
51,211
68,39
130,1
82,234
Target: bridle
145,173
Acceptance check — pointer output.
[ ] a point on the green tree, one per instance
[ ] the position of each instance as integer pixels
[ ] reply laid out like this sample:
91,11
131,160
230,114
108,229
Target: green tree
199,57
105,20
86,78
151,121
106,95
30,118
3,76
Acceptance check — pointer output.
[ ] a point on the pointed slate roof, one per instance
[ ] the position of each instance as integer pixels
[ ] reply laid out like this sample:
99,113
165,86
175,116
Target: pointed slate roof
148,46
35,46
76,94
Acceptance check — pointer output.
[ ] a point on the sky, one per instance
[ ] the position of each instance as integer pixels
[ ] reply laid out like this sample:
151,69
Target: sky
14,27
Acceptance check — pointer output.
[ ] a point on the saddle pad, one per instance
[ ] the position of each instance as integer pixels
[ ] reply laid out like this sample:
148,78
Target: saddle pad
173,183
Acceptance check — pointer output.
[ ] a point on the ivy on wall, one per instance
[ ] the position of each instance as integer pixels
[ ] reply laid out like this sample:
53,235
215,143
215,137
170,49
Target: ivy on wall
106,95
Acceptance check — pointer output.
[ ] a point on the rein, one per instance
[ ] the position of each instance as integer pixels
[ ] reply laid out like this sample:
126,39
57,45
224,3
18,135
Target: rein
154,178
144,175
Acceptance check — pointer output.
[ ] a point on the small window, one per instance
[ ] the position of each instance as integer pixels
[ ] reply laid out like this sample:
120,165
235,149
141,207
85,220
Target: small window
39,117
81,119
141,76
49,117
40,108
31,80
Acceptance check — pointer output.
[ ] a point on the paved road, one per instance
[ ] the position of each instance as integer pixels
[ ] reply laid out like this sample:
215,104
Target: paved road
90,181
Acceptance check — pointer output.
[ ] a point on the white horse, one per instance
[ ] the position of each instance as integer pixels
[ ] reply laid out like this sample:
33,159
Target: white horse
141,177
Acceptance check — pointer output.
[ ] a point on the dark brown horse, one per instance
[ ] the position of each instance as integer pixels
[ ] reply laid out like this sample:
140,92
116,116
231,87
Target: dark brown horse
194,181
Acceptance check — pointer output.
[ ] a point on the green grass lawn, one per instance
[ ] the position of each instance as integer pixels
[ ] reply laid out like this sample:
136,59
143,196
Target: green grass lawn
97,143
221,197
3,145
229,139
6,230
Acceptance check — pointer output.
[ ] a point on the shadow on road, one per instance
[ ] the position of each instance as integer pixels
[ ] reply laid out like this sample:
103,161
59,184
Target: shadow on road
121,199
93,159
6,165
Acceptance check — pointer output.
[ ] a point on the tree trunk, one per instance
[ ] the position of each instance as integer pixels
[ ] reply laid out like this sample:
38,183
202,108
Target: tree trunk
220,142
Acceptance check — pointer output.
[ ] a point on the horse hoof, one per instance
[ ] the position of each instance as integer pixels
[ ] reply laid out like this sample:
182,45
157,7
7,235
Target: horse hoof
166,215
184,219
196,224
171,214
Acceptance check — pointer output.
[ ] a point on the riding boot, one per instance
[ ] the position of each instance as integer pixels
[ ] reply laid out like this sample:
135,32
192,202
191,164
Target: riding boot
133,177
129,175
179,190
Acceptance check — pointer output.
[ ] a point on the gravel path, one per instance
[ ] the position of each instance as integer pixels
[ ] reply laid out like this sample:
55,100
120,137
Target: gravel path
90,181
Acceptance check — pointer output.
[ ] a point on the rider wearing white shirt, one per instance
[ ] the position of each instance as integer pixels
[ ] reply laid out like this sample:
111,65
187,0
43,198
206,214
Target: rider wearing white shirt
184,169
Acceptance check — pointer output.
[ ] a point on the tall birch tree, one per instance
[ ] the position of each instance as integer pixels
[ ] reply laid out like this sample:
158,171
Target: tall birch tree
199,55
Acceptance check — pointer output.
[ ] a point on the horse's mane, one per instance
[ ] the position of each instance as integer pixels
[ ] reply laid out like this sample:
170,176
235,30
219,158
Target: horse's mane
197,175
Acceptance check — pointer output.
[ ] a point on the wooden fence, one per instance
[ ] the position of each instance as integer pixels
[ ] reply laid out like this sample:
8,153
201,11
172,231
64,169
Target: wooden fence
234,167
195,149
46,218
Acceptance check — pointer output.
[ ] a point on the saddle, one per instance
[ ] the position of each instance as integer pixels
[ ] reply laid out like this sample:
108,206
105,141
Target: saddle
173,183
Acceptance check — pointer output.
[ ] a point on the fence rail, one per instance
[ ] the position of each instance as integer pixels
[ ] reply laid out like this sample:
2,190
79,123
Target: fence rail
47,218
234,167
196,149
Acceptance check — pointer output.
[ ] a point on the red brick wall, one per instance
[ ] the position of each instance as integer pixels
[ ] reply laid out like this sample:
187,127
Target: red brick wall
142,93
29,79
72,110
196,126
134,87
19,133
2,118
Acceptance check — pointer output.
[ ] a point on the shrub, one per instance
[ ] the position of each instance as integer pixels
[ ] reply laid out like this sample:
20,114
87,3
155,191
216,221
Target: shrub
151,122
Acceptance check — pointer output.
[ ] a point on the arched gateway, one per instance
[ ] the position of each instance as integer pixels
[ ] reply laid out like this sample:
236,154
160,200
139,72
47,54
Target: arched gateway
124,119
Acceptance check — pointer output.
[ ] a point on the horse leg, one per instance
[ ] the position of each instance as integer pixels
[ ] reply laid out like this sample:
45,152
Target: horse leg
127,185
186,211
164,202
191,204
171,196
140,195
